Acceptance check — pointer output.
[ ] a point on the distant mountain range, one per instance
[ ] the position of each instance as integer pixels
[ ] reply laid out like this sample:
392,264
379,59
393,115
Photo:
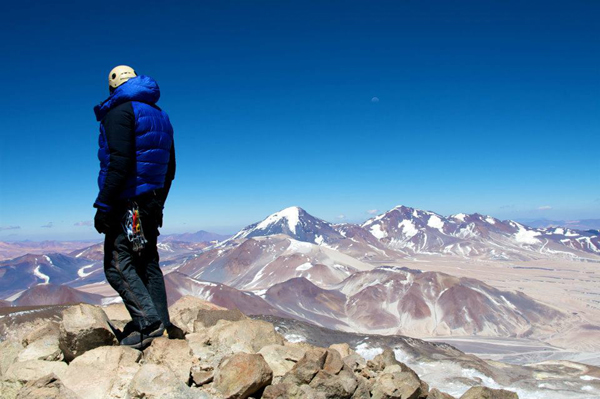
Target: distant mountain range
581,224
199,236
292,264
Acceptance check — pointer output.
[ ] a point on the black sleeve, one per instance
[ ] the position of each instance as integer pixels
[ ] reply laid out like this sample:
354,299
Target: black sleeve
119,128
170,176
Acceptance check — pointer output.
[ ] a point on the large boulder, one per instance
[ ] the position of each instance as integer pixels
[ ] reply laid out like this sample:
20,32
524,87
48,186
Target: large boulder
175,354
117,312
287,390
42,344
84,327
355,362
155,381
281,358
307,367
104,372
385,359
437,394
335,386
333,362
47,387
34,369
241,375
9,351
200,344
246,335
403,385
343,349
190,313
488,393
9,388
363,389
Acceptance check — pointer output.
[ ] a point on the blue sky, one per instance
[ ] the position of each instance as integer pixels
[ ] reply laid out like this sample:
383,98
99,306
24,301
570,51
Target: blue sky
483,106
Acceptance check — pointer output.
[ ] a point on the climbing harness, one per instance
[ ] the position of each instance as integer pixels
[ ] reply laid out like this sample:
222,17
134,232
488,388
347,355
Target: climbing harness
133,227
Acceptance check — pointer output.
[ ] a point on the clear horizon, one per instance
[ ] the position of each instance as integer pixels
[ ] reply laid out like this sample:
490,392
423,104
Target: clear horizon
340,108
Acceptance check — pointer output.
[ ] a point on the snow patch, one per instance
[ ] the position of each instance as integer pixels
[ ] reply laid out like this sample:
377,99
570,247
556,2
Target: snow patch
82,273
408,228
377,232
435,222
459,216
41,275
367,352
304,266
294,338
526,236
111,300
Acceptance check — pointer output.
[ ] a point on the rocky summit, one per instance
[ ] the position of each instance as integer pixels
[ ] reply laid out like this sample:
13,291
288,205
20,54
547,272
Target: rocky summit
71,352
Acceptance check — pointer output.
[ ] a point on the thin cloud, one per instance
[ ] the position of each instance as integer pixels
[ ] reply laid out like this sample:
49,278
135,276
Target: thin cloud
544,207
507,206
341,216
48,226
3,228
83,223
373,211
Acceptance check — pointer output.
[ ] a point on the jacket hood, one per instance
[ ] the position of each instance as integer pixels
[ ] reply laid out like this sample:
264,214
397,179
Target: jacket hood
141,88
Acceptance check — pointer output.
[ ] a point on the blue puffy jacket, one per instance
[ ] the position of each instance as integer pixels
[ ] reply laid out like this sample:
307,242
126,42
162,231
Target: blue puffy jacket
136,151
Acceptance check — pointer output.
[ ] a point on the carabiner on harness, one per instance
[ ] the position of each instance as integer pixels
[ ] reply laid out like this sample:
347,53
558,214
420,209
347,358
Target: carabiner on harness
132,224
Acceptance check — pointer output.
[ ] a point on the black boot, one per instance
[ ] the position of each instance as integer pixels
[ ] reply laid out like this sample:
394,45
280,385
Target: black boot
175,332
141,339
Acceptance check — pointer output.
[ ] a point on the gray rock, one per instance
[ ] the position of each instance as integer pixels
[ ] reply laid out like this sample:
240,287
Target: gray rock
355,361
103,373
47,387
363,389
185,312
307,367
397,385
247,335
333,362
381,361
343,349
154,381
202,374
9,388
288,390
281,358
488,393
333,386
175,354
437,394
84,327
241,375
9,351
31,370
42,344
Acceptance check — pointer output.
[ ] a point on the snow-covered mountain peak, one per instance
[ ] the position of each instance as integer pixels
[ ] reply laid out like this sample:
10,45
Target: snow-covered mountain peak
291,215
294,222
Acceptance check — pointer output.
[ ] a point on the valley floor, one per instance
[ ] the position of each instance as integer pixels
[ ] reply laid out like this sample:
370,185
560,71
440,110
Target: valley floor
567,285
516,351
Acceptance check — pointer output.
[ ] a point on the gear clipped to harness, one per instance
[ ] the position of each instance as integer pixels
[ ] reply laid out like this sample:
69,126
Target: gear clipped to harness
133,227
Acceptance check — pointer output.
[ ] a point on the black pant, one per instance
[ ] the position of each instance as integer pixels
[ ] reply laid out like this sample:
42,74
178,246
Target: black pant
137,276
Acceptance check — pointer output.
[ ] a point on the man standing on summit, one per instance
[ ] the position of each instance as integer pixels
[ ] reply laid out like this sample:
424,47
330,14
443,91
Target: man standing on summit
137,165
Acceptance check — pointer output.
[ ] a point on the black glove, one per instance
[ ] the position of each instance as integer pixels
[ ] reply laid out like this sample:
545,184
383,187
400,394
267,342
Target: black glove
101,221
